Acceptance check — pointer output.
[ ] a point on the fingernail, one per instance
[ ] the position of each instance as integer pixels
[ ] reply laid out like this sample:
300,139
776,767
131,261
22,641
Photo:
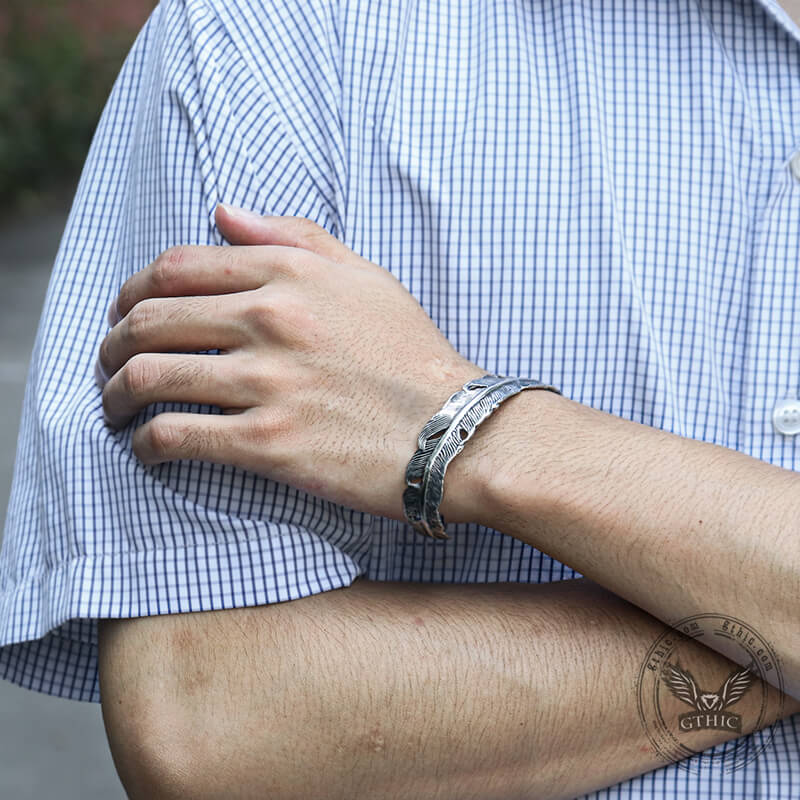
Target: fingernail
100,377
239,213
113,316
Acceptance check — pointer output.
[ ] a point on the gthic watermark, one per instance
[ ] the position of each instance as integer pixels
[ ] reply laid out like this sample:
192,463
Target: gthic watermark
676,706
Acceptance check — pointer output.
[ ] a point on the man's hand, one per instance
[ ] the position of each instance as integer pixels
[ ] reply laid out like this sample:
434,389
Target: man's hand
335,368
331,364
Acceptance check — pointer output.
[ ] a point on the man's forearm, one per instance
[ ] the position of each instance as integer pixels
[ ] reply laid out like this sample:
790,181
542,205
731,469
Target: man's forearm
387,690
675,526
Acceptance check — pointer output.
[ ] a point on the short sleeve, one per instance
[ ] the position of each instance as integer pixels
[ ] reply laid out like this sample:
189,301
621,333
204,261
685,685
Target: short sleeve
217,101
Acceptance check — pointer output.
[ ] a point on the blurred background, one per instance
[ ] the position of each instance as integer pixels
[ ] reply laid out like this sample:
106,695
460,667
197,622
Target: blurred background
58,61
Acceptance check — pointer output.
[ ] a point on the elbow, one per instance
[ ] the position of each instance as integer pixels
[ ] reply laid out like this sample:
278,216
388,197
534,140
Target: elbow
172,762
152,753
151,739
151,766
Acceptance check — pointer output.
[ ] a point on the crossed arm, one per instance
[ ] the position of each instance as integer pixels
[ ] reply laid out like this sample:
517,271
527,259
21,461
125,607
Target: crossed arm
388,691
392,691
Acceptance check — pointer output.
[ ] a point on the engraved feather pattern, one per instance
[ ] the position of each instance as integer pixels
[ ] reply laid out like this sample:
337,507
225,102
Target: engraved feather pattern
429,442
443,437
451,444
426,442
683,686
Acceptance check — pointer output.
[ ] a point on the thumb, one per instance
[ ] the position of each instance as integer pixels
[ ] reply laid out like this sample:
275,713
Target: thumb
243,227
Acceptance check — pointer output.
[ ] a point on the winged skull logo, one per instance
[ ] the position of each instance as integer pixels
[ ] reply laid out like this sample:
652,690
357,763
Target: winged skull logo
683,685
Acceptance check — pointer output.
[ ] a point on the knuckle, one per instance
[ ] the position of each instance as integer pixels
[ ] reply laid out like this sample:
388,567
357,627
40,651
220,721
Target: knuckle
308,226
316,233
296,321
140,319
293,260
108,409
260,315
138,375
270,425
163,438
304,230
124,298
292,264
286,314
104,354
168,267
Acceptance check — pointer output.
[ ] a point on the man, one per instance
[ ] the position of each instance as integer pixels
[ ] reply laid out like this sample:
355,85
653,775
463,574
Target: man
604,197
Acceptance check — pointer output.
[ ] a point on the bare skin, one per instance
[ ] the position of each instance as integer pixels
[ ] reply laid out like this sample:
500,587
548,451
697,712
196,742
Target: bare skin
303,319
648,519
389,691
676,526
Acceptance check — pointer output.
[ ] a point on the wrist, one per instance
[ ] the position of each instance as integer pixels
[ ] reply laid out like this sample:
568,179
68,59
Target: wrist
509,450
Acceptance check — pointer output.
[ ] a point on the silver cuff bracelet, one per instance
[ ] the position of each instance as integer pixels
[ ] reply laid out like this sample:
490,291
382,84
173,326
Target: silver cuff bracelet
444,437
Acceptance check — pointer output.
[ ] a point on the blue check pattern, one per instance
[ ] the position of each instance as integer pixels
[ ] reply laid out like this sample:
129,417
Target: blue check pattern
596,194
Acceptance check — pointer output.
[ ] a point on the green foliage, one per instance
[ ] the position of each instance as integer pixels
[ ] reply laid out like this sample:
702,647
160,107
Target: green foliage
53,84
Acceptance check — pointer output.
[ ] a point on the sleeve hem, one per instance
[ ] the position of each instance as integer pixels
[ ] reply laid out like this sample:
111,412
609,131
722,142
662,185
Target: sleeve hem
48,626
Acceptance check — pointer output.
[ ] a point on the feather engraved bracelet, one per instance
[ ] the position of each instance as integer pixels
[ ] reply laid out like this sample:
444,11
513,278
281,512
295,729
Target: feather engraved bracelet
444,437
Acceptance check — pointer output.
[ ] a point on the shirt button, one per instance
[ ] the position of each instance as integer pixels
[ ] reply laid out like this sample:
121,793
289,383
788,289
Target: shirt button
794,165
786,417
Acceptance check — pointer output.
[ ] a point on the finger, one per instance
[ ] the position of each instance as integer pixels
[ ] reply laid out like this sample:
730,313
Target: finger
189,270
168,378
201,437
172,325
243,227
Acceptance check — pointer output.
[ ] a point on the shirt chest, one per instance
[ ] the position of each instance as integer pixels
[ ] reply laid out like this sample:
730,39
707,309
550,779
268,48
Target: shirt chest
604,200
